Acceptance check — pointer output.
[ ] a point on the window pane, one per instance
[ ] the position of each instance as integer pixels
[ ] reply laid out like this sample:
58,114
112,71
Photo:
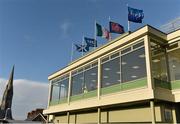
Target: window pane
55,92
174,64
133,65
64,88
90,79
138,45
77,84
159,65
110,72
126,50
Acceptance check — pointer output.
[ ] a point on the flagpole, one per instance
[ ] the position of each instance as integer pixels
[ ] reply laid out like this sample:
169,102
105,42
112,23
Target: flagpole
94,33
82,53
72,48
128,22
109,29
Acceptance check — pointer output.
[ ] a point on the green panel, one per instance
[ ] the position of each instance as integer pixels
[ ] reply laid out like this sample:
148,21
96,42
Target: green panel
175,84
54,102
64,100
110,89
124,86
76,97
90,94
162,84
134,84
84,95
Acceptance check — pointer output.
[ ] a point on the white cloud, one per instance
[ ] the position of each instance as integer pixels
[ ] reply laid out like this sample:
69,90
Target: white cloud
28,95
65,26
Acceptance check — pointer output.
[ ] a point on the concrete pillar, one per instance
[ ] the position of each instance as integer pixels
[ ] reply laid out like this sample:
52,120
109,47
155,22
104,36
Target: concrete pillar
68,117
99,115
99,78
69,89
153,116
174,115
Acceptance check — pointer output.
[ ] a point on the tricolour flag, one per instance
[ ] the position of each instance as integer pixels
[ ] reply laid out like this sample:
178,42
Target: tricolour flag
116,28
102,32
82,48
135,15
90,42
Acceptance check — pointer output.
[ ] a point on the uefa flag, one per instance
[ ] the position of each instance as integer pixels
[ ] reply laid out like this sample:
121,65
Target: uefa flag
90,42
135,15
116,28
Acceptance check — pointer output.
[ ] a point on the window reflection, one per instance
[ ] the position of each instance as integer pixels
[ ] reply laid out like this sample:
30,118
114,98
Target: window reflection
159,65
85,81
77,84
133,65
130,65
174,64
55,92
60,89
91,79
110,72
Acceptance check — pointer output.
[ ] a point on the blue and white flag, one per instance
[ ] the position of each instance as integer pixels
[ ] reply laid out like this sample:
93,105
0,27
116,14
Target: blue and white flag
82,48
135,15
90,42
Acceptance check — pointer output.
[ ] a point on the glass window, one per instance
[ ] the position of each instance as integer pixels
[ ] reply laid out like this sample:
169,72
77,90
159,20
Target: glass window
114,55
110,72
133,65
60,89
105,59
126,50
159,65
77,84
55,92
138,45
174,64
90,79
64,85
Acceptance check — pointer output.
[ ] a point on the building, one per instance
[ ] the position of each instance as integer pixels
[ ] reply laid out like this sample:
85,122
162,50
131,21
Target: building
133,78
37,116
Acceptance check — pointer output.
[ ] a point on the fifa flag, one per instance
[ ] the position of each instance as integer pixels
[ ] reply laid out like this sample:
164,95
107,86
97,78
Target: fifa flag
90,42
116,28
82,48
135,15
102,32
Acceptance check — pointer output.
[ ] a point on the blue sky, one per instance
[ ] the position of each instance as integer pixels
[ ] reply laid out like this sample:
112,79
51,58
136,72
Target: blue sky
36,35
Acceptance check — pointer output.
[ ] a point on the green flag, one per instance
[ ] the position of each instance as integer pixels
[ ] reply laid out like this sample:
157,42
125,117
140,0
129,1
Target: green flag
99,31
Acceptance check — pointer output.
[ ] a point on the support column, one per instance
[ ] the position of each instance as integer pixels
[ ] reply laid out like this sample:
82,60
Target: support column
174,115
69,90
99,78
68,117
99,115
49,93
152,108
148,62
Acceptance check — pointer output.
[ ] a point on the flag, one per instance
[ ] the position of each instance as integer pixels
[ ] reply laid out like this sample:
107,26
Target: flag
82,48
135,15
116,28
102,32
90,42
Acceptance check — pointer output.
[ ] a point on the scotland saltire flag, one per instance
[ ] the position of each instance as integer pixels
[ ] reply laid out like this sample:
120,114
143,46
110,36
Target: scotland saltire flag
135,15
82,48
90,42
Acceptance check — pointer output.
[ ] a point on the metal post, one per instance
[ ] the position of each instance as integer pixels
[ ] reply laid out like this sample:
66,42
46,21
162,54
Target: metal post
99,78
69,89
99,115
153,116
